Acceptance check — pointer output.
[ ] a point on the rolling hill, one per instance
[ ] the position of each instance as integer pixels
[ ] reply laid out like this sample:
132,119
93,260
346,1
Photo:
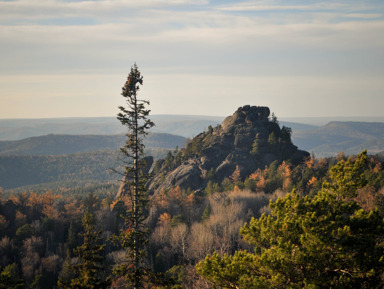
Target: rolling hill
336,136
70,161
67,170
69,144
183,125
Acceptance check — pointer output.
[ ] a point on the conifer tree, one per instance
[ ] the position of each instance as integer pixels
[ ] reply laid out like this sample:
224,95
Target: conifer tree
134,235
90,270
66,274
255,147
207,213
10,278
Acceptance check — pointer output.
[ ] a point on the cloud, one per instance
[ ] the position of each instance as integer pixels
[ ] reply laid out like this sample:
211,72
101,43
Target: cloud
24,10
249,7
205,40
182,43
284,6
364,16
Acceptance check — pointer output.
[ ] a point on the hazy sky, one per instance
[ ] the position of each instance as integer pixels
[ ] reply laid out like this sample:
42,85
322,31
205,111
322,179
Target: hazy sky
299,57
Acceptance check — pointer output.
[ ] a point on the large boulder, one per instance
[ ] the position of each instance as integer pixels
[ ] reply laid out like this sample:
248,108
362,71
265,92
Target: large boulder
187,175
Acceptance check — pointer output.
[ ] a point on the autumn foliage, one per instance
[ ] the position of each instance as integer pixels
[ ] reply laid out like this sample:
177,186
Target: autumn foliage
40,232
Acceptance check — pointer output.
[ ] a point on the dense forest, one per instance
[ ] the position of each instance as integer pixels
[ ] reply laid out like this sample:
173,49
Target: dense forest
41,233
71,172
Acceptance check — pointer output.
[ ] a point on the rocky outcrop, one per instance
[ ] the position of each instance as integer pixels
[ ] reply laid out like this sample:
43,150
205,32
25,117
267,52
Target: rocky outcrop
246,140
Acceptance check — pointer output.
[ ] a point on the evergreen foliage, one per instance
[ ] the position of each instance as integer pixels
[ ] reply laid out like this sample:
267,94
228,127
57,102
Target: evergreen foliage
286,133
207,212
325,241
210,174
89,271
10,278
348,175
274,118
255,147
272,142
212,187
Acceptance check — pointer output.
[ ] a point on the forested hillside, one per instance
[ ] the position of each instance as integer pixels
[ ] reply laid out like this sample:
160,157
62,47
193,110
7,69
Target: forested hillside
70,162
69,144
64,172
19,171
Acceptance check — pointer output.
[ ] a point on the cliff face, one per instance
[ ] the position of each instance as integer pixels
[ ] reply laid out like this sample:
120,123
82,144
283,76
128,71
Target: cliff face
246,140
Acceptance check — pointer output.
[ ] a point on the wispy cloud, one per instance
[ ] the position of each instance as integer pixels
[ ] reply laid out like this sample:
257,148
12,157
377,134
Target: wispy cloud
251,7
22,10
283,5
364,16
182,38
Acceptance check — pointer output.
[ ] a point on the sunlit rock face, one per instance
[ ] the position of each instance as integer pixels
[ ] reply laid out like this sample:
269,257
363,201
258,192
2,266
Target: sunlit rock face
226,147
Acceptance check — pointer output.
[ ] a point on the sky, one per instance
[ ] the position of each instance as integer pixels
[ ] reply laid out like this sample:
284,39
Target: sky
301,58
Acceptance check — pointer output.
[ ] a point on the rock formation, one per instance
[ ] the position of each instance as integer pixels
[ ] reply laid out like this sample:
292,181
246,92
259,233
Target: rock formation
246,140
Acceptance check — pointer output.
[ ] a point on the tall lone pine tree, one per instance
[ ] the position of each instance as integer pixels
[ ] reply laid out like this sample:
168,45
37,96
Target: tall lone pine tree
134,236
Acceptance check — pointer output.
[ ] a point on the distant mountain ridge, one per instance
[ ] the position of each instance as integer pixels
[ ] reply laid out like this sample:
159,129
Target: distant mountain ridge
92,144
334,137
71,160
325,136
69,144
67,170
183,125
